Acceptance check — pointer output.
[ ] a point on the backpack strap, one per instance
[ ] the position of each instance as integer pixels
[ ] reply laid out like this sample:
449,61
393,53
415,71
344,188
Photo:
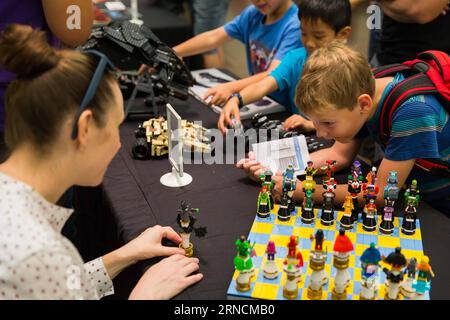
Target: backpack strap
416,85
389,70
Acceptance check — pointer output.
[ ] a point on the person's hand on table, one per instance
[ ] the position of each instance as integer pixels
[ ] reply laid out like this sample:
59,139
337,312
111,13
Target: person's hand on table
219,94
148,244
229,111
251,167
277,189
297,122
167,278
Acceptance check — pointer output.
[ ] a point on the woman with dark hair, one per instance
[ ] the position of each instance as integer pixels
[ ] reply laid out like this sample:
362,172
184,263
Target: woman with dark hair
63,113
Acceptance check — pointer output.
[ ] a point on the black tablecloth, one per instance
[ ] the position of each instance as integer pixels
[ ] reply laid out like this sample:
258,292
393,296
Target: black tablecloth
132,199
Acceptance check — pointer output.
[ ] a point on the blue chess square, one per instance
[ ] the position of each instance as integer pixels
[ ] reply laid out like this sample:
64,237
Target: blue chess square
258,237
282,230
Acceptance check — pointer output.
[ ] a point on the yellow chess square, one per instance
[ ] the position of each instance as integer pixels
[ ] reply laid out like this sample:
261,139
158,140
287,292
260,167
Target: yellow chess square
262,227
265,291
359,249
290,223
357,273
260,249
412,254
388,242
235,275
351,236
304,233
280,241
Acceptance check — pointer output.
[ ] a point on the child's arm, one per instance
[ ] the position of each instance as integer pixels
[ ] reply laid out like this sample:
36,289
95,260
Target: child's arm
219,94
250,94
202,43
414,11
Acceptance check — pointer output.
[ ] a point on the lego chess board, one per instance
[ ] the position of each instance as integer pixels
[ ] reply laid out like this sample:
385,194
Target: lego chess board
271,228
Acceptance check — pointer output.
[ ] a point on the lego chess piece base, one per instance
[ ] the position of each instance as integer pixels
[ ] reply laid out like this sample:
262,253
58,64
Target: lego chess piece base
270,270
327,217
243,280
392,291
406,288
368,289
307,216
290,289
189,251
283,214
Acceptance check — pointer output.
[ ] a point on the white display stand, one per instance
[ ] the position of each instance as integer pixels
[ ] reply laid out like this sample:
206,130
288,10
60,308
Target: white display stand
176,178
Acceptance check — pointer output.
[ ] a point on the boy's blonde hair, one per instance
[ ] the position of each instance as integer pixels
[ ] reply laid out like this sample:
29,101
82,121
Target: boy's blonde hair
334,76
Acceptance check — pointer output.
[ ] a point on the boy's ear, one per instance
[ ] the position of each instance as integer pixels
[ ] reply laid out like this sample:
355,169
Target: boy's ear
344,34
365,103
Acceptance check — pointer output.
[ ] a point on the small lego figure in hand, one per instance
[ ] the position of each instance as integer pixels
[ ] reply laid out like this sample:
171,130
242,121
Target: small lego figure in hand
244,264
394,277
412,202
341,258
186,221
370,260
423,282
346,221
264,204
270,268
293,265
317,259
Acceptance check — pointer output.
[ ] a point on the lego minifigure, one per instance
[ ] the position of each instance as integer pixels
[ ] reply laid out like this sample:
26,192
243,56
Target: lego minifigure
293,265
406,288
346,221
186,221
244,264
370,260
264,204
370,216
354,188
394,277
327,216
270,269
289,183
307,215
284,214
317,259
329,169
412,201
341,257
391,192
267,181
423,282
369,188
310,170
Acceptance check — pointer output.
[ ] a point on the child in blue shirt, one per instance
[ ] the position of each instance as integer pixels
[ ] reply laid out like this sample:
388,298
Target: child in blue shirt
269,29
338,92
322,22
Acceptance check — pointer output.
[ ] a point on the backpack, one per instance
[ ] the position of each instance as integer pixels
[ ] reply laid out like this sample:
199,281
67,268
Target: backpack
429,73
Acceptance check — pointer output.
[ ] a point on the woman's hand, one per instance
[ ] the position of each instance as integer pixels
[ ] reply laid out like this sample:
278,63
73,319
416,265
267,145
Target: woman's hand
167,278
148,244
